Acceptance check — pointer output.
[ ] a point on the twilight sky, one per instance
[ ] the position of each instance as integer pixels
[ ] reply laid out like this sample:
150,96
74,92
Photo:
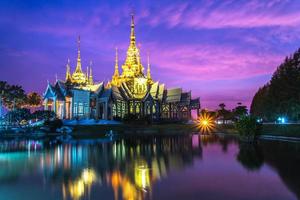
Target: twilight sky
222,50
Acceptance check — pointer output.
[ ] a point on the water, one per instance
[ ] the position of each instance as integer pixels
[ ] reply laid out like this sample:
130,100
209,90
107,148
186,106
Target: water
175,167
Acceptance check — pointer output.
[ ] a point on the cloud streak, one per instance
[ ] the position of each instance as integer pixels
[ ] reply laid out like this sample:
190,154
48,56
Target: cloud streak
227,14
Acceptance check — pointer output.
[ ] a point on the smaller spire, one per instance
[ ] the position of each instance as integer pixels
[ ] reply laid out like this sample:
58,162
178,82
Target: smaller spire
68,73
132,34
148,67
91,81
87,72
116,74
78,66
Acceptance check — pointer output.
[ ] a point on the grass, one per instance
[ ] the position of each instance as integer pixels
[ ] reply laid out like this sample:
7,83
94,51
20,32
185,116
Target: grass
135,129
96,131
287,130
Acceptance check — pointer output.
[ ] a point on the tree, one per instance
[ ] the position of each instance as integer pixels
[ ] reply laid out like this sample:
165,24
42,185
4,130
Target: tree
13,96
248,128
239,111
33,100
280,97
223,113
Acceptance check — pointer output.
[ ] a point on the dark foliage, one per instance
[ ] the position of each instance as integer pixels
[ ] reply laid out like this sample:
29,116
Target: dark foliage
281,96
53,124
43,115
18,115
248,128
239,111
13,96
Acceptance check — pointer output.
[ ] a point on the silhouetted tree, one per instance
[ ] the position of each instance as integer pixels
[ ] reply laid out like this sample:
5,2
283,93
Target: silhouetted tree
224,113
281,96
33,100
239,111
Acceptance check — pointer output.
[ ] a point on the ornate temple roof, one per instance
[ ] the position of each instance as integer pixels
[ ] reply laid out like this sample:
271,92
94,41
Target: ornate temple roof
173,95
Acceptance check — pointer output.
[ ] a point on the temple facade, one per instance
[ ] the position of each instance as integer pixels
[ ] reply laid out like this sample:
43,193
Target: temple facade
129,93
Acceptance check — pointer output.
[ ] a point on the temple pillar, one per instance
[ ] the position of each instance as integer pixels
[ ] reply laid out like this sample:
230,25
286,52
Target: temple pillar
97,109
105,110
46,104
64,110
54,105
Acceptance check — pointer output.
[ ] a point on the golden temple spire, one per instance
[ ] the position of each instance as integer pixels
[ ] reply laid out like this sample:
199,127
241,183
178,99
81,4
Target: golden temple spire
78,66
78,77
116,73
148,67
68,73
91,81
87,73
132,66
116,77
132,34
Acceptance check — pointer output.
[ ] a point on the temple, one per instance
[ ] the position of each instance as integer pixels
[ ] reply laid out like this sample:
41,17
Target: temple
129,93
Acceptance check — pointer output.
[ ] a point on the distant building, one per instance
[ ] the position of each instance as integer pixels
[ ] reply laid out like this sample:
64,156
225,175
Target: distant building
131,92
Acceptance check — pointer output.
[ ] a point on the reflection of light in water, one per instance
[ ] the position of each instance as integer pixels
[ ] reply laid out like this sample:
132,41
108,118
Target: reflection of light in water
76,189
128,189
88,176
142,176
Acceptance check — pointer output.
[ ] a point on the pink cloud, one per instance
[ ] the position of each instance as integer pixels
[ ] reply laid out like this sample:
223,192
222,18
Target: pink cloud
226,14
211,62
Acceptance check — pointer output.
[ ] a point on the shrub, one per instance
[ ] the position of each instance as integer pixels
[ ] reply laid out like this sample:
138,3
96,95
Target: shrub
18,115
248,127
54,124
43,115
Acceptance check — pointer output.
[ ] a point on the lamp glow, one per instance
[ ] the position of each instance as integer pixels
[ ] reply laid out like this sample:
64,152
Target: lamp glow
206,123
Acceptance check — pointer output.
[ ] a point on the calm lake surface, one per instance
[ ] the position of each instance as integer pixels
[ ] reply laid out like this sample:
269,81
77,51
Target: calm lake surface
173,167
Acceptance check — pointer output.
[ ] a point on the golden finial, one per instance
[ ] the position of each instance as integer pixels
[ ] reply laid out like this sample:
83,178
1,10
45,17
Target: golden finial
132,35
78,43
116,73
148,67
78,66
87,73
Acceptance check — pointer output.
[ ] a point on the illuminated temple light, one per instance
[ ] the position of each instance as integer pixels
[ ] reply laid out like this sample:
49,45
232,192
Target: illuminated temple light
206,123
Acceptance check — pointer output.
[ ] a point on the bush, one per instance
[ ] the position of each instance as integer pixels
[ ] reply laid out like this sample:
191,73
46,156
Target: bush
18,115
43,115
54,124
248,128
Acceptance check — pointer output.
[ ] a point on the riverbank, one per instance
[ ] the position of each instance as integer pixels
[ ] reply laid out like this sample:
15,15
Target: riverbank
286,130
98,131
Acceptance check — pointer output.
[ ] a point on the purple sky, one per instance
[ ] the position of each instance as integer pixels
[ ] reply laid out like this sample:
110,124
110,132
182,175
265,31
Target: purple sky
221,50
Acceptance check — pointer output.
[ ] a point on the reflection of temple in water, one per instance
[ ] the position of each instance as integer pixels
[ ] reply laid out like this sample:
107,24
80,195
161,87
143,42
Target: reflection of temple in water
130,166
